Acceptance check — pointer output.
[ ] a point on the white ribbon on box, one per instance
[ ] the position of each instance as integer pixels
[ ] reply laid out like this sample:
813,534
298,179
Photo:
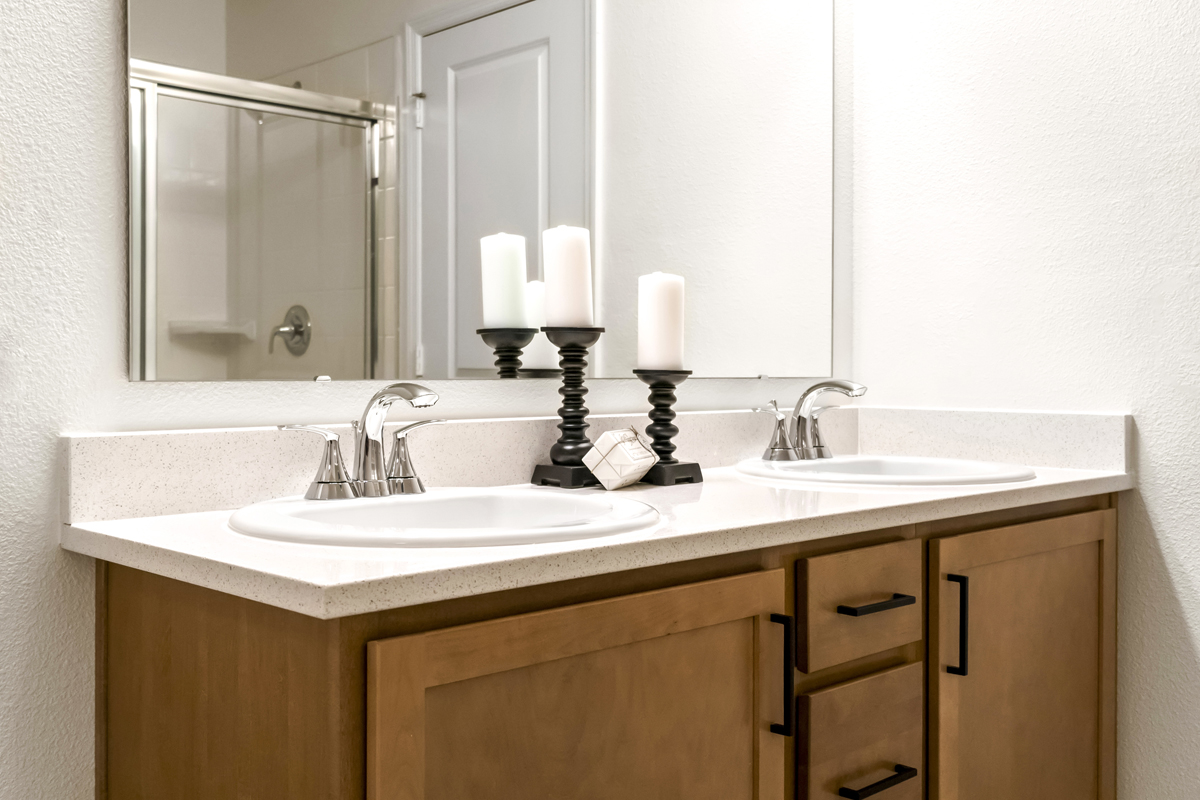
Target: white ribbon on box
620,458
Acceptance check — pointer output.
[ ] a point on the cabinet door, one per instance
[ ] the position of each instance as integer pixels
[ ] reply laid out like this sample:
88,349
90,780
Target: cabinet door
1023,706
666,694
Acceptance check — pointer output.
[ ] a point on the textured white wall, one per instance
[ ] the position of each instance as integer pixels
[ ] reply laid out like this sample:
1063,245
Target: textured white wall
1025,203
1026,206
62,367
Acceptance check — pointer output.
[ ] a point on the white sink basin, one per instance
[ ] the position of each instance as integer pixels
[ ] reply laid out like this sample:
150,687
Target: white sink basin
446,518
888,471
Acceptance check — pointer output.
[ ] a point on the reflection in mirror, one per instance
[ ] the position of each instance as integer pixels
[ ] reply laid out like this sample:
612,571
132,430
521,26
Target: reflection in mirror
261,221
314,186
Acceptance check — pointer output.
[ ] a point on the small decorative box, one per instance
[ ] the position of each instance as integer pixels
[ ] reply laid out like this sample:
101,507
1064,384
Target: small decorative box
619,458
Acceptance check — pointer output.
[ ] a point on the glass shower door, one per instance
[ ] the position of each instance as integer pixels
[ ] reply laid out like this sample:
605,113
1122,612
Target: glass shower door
250,211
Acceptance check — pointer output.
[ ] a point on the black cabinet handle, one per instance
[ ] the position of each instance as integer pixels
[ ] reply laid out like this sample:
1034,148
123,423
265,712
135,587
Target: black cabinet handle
903,774
964,625
788,728
898,600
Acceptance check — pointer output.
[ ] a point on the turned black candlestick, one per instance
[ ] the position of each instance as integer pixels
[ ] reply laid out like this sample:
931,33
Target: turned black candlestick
669,470
507,344
567,469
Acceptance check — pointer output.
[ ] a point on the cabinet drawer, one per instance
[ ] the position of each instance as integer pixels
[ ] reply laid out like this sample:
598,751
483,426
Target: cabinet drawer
847,605
864,735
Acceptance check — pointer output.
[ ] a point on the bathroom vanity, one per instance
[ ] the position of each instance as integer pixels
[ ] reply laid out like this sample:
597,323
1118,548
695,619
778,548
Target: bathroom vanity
658,682
761,641
419,191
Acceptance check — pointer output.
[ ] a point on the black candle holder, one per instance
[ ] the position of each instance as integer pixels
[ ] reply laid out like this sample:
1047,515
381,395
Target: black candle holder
669,470
507,344
567,469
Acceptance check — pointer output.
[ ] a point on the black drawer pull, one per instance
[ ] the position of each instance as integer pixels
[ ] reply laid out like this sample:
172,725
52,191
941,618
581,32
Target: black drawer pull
964,625
788,728
903,774
898,601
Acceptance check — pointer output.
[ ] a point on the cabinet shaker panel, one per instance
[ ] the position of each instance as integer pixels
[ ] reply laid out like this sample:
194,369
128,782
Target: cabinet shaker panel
1022,661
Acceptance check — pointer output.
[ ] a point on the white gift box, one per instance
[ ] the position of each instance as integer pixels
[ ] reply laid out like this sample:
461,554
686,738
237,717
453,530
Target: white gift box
620,458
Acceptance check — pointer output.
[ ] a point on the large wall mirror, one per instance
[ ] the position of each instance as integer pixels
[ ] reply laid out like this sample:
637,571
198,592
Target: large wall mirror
310,181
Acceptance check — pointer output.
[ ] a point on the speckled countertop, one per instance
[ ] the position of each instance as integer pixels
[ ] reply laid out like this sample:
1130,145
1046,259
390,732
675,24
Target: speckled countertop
725,514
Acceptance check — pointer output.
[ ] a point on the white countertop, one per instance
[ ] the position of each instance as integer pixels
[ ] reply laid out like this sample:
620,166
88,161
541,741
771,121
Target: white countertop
725,514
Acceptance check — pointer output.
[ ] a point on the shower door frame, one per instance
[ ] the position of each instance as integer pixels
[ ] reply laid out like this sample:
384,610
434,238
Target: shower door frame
147,82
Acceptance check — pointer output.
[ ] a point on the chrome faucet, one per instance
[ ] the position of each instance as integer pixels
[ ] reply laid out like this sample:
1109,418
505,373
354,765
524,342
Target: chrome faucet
371,478
370,472
805,432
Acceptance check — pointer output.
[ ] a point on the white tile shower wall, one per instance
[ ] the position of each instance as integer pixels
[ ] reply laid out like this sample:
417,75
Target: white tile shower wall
346,75
300,225
365,73
192,256
381,70
370,73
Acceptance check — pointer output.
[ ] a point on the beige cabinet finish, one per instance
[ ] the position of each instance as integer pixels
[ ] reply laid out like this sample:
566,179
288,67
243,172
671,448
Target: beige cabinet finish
855,734
668,693
857,578
1034,715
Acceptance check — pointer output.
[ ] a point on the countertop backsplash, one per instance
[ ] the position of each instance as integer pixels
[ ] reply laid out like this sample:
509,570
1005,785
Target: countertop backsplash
126,475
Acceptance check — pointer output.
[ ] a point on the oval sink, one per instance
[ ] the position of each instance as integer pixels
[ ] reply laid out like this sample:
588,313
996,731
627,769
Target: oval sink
445,518
888,471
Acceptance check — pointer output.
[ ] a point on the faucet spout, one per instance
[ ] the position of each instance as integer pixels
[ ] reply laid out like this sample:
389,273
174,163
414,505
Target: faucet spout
805,431
370,470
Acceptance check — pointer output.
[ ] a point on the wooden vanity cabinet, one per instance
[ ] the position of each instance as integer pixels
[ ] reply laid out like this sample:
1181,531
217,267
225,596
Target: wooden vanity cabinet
1022,661
662,682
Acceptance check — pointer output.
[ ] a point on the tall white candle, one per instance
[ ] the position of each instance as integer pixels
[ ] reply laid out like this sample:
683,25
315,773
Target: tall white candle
660,321
502,257
567,259
540,354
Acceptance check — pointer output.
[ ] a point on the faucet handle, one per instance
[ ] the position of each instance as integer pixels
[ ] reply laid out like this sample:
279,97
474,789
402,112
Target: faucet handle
330,436
780,448
772,408
331,482
401,474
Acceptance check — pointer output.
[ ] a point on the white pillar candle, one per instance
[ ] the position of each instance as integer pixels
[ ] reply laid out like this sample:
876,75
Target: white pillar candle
540,354
502,257
660,321
567,259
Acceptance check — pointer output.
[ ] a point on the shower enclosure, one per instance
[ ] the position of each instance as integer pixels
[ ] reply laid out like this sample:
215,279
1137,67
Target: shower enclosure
249,201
